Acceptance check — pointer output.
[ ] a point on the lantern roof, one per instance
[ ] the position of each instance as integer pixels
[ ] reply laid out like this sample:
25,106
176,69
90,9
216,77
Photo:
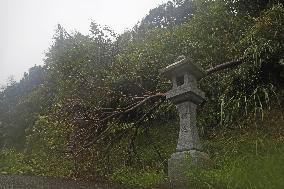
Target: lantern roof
184,65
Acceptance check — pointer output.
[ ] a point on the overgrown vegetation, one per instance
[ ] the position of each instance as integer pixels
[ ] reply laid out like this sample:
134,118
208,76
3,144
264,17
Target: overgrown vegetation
96,108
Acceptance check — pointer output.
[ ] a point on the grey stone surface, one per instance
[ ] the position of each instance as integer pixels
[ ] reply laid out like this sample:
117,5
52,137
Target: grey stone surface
184,65
186,95
188,134
187,90
181,163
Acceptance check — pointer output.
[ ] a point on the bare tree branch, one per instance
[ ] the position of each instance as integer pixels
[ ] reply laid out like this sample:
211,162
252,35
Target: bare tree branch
93,123
125,111
223,66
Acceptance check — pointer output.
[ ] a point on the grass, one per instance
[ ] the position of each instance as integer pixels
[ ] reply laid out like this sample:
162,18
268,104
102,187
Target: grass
12,162
249,156
135,177
237,166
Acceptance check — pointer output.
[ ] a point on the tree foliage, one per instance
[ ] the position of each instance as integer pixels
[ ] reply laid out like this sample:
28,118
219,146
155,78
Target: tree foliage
99,95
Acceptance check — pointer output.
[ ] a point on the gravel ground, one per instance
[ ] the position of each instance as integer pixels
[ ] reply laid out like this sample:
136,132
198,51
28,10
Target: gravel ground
30,182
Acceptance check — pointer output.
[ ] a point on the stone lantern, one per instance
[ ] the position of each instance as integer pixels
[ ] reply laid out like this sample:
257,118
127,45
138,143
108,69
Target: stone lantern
185,94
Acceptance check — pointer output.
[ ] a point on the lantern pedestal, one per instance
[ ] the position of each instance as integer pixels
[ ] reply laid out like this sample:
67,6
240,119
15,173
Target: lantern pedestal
181,163
186,96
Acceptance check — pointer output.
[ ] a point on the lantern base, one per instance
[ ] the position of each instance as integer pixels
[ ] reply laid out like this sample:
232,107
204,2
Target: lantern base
181,163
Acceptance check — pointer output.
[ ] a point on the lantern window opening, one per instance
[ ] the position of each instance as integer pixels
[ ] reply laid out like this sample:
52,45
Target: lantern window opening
180,80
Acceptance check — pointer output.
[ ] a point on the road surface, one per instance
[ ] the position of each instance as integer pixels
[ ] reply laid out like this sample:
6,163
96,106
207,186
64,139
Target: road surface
31,182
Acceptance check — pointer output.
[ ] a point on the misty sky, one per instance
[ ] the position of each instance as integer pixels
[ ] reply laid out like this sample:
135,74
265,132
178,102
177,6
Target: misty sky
27,26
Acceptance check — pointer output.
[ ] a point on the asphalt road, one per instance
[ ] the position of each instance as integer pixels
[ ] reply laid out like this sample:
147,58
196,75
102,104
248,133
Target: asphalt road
30,182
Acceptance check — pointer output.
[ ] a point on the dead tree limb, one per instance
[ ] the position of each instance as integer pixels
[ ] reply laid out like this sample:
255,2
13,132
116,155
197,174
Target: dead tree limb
125,111
132,141
135,106
223,66
95,120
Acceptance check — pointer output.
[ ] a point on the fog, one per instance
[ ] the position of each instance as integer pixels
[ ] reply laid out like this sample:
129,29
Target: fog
27,26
